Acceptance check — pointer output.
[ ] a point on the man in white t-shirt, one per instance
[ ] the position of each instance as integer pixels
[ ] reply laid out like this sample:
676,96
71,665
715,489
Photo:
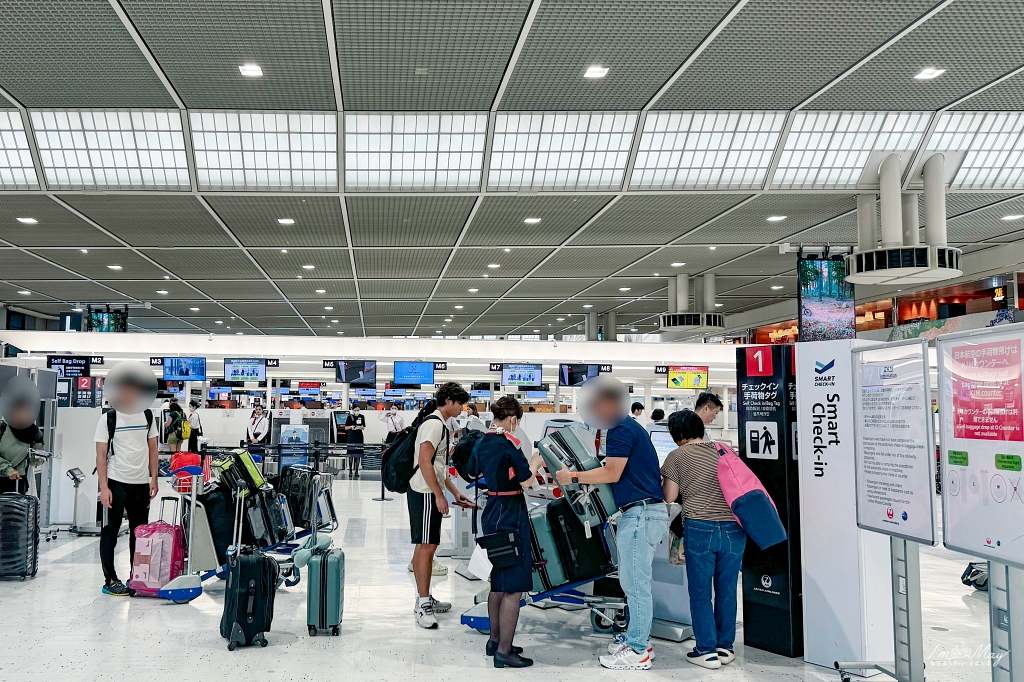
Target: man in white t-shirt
128,468
425,498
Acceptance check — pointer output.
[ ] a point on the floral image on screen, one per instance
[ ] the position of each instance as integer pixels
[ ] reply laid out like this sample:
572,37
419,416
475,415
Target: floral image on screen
827,307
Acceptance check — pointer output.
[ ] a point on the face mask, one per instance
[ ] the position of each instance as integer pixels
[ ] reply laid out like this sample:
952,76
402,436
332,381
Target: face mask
355,412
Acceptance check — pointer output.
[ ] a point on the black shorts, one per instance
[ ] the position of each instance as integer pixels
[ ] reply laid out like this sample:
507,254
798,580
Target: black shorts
424,519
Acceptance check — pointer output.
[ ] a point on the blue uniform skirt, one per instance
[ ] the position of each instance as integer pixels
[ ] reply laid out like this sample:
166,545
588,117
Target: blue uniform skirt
509,514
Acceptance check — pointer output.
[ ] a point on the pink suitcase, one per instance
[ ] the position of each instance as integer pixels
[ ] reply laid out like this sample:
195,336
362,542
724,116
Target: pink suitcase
159,554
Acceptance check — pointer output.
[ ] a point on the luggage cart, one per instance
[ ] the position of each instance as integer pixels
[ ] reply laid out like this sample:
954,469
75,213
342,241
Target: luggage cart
188,585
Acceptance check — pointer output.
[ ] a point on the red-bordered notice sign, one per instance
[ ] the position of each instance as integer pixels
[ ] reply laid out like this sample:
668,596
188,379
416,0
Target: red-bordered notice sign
987,391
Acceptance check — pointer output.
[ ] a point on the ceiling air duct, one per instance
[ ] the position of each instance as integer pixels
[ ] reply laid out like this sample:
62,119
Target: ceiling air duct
678,318
900,259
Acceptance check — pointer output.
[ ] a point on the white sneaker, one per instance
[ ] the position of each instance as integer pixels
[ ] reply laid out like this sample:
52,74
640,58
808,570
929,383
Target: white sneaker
726,656
627,659
425,616
709,661
439,606
436,569
619,641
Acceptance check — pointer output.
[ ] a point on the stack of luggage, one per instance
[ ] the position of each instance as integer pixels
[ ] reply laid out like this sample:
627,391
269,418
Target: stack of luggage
569,541
268,519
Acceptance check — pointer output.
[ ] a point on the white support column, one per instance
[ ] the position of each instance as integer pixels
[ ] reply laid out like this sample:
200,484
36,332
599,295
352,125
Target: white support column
911,223
673,304
682,288
610,326
889,196
867,222
647,399
590,326
710,294
935,200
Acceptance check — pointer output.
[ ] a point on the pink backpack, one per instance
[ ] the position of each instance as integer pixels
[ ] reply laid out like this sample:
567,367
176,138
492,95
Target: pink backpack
750,503
159,557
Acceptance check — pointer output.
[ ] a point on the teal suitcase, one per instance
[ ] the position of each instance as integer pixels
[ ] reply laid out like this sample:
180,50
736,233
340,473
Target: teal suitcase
567,447
325,600
547,566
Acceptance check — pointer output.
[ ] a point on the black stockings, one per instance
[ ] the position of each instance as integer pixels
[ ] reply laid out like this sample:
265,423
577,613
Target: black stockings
503,612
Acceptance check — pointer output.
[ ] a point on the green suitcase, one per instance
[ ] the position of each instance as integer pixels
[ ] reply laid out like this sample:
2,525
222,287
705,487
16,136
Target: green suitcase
547,566
567,447
325,598
249,469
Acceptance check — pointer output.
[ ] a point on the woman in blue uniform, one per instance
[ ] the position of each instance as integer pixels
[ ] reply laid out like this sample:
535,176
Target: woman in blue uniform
500,461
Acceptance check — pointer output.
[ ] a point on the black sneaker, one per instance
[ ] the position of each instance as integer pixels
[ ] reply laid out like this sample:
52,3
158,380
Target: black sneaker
116,589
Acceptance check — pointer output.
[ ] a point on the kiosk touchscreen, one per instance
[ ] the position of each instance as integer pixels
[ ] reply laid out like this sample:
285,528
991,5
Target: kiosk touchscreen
663,443
552,425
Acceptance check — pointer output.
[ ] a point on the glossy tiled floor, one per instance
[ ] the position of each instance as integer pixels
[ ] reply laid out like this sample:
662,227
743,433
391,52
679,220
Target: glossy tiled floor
59,625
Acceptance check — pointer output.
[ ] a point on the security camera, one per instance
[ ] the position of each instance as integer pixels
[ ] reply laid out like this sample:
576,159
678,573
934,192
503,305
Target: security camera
210,337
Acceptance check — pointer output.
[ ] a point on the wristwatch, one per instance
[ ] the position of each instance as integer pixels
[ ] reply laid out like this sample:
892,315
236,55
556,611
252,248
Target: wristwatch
575,478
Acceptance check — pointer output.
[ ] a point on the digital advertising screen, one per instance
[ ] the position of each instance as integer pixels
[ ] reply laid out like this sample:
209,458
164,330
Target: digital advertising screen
826,306
414,372
521,374
687,376
576,375
245,369
480,394
184,369
356,372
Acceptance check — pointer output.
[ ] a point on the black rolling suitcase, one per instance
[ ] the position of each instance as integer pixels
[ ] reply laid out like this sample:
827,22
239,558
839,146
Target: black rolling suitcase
265,517
582,558
19,535
296,484
220,515
249,592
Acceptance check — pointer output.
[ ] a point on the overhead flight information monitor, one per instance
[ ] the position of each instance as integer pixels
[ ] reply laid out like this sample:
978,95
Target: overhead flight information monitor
576,375
356,372
414,372
521,374
184,369
687,376
245,369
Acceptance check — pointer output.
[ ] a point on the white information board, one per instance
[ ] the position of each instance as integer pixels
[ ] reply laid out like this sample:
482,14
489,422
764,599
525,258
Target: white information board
895,452
982,436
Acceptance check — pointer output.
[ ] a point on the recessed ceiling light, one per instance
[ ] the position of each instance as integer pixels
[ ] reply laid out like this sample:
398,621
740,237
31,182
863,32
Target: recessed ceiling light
655,274
286,221
459,307
596,71
447,319
77,308
625,288
219,322
321,291
298,276
712,247
334,322
493,266
161,291
28,221
328,307
113,267
559,319
678,265
438,331
508,250
284,250
195,310
341,332
167,276
250,70
775,218
928,74
588,306
633,329
532,221
486,276
228,327
719,305
1013,216
239,333
777,287
309,267
84,250
25,293
472,291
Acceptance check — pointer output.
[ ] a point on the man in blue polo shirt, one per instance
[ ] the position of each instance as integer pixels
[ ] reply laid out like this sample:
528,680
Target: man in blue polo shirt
632,467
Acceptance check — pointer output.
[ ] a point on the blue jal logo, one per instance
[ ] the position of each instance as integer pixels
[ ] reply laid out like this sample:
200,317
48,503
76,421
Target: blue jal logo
821,368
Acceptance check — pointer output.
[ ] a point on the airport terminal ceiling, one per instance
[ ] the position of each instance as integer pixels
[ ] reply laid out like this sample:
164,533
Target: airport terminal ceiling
461,168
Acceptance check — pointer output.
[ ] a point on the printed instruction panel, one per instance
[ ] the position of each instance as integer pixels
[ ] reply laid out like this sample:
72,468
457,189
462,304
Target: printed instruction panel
982,444
895,462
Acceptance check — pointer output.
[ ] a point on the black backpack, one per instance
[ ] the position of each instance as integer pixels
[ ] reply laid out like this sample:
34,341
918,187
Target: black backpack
463,451
399,462
112,427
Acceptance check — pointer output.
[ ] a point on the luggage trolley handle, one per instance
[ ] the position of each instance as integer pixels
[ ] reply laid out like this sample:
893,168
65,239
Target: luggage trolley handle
174,518
318,486
237,534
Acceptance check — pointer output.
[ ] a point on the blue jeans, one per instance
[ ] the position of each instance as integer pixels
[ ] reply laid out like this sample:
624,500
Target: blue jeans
639,530
714,554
